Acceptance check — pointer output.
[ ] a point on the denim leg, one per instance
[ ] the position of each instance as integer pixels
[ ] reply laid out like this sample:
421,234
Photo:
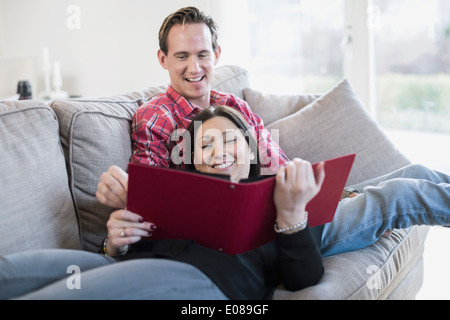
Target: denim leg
394,203
141,279
27,271
414,171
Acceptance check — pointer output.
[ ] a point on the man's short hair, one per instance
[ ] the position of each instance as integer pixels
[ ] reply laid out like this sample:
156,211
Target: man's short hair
185,16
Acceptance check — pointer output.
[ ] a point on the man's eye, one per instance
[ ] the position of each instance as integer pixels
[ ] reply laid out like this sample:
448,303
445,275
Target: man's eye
231,140
206,146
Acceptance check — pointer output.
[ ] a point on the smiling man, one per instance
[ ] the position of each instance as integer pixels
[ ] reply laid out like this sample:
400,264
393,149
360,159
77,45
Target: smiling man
189,51
190,60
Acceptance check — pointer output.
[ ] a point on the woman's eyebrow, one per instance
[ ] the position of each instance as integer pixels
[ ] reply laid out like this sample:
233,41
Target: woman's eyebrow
224,133
206,137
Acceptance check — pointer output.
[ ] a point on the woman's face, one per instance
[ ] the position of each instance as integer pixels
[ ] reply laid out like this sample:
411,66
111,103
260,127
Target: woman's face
220,148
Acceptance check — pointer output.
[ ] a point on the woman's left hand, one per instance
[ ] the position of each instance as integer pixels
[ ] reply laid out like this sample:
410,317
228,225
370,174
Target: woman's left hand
296,185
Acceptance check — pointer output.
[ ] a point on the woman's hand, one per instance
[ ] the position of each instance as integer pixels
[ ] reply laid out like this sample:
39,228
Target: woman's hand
113,187
296,185
125,228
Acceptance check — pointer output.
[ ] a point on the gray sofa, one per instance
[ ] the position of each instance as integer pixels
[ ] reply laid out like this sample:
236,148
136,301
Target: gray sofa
51,158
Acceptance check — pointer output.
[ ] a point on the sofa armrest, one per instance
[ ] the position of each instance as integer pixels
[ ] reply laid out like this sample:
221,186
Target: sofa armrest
36,207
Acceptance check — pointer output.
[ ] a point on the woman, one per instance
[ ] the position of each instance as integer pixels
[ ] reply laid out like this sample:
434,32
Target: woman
181,269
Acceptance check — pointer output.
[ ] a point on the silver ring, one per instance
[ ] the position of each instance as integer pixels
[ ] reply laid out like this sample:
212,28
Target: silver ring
122,234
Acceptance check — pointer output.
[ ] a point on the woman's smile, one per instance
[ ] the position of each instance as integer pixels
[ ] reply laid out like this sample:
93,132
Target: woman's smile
223,166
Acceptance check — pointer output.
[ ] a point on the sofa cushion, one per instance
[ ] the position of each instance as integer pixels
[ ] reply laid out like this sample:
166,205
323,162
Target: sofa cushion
36,205
368,274
231,79
273,107
95,134
334,125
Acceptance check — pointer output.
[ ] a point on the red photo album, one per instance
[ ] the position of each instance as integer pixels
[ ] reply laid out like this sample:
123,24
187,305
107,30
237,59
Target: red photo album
219,214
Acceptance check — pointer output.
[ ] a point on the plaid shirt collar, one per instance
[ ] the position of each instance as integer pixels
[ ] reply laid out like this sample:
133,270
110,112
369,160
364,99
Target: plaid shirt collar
186,106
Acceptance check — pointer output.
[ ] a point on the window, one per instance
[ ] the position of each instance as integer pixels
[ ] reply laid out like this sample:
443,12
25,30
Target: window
394,52
412,43
295,44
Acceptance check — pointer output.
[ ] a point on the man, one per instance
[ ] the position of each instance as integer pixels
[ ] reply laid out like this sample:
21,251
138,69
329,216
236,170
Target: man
189,51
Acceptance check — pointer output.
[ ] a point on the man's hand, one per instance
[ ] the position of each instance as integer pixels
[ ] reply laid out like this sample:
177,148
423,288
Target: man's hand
113,187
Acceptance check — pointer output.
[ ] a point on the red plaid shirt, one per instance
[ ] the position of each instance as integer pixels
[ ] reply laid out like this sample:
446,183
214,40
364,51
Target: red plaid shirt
154,123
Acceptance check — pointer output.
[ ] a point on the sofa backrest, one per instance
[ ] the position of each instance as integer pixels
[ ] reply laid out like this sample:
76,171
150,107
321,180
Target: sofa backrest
36,208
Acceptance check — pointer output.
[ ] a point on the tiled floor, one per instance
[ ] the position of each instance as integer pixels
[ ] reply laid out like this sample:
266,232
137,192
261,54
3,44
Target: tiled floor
432,150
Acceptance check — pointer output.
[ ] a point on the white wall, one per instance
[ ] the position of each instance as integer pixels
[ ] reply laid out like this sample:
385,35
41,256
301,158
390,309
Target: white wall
113,51
233,16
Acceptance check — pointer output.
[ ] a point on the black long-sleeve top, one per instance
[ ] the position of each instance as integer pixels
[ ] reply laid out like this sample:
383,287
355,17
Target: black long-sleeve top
293,260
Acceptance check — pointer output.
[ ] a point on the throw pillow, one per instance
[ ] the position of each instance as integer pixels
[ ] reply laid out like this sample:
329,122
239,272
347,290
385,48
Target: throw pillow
335,125
271,107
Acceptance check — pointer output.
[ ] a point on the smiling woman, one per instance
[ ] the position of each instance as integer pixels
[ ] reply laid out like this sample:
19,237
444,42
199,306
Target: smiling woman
223,143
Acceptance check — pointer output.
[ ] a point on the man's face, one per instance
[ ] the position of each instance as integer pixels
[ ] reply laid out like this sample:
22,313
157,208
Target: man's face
190,61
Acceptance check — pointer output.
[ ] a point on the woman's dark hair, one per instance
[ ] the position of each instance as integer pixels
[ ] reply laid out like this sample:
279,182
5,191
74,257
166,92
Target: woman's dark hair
235,117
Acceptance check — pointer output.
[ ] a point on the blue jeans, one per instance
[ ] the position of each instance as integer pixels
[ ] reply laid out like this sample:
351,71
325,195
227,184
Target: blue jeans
50,274
414,195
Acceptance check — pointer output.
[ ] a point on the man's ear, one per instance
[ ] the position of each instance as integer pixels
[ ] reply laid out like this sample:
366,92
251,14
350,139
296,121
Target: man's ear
162,59
217,54
252,156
